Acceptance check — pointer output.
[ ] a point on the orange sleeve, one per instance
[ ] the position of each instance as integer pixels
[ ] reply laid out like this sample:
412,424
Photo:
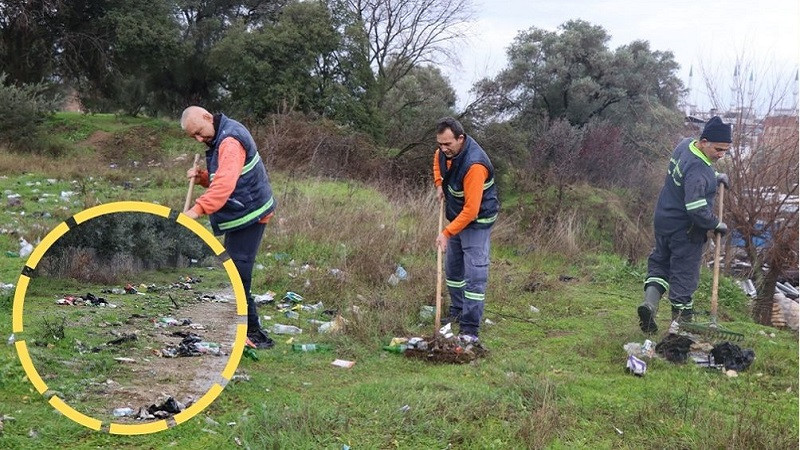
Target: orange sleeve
231,161
437,174
473,193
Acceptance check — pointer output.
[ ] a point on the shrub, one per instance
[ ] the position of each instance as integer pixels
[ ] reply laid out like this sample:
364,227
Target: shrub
23,109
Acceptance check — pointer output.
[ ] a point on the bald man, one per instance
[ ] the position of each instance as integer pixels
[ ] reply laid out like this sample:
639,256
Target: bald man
239,199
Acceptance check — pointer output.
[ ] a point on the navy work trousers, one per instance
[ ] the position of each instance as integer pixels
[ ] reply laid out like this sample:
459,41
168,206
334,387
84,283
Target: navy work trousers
242,246
467,271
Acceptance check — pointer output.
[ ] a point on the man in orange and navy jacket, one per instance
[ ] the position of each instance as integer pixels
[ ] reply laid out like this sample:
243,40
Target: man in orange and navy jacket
239,198
464,177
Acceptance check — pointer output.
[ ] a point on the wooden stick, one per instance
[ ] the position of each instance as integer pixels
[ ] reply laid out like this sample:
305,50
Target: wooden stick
717,249
191,184
438,322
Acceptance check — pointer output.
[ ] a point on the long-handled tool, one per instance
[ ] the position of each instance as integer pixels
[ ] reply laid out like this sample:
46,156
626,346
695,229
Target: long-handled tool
188,201
438,321
712,329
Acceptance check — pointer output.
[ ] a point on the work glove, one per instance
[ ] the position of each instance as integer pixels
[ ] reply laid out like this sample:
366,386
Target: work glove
721,229
722,178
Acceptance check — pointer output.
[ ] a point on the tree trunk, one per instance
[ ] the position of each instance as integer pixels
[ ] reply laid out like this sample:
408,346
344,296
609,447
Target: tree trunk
762,308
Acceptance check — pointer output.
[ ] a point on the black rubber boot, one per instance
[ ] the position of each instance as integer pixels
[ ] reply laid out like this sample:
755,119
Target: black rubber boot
648,310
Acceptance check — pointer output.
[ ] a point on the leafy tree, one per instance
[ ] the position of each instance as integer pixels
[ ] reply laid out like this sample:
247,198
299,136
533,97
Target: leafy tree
571,74
277,66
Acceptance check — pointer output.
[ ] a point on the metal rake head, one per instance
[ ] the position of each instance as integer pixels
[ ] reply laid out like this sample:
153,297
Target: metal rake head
711,331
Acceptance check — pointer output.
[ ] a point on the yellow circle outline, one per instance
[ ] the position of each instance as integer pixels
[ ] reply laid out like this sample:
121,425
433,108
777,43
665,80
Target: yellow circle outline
108,208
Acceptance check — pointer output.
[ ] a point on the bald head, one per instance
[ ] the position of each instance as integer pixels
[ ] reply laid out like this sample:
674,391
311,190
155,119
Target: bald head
198,124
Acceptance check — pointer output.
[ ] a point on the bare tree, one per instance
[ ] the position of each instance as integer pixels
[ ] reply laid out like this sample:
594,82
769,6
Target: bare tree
763,168
403,34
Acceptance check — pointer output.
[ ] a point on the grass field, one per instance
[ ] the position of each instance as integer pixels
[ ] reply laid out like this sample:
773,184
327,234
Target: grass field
553,378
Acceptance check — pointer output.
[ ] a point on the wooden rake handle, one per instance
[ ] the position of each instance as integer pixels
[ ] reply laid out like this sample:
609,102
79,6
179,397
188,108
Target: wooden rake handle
717,252
191,185
438,321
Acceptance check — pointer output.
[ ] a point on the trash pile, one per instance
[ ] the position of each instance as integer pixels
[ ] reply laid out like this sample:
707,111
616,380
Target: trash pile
87,300
444,347
190,345
166,408
682,348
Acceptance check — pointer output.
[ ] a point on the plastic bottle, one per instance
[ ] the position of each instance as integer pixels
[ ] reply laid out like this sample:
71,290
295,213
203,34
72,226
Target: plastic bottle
396,348
310,347
122,412
285,329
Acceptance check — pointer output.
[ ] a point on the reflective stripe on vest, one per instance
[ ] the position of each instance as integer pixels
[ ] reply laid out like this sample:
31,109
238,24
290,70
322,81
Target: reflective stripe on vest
460,194
242,220
247,167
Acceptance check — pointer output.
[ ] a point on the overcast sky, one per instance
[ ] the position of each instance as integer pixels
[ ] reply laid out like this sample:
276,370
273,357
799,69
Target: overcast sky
714,32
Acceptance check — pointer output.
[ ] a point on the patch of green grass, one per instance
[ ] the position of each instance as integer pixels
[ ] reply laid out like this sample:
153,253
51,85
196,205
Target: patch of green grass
553,378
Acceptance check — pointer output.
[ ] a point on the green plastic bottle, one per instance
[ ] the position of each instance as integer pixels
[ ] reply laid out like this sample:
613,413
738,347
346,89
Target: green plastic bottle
310,347
396,348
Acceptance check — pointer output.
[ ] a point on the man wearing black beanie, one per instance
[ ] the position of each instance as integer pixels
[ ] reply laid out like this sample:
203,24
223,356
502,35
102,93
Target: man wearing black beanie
683,217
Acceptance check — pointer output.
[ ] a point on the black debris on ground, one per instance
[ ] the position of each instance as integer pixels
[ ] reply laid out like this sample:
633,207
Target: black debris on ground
733,357
674,348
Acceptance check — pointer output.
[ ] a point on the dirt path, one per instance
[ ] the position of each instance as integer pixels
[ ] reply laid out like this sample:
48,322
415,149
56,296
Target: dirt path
152,378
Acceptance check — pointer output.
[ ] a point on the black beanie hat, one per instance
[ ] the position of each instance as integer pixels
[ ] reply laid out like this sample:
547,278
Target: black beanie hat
716,131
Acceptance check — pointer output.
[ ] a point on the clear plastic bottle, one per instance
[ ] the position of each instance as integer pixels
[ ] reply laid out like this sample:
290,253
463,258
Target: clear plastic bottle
311,347
285,329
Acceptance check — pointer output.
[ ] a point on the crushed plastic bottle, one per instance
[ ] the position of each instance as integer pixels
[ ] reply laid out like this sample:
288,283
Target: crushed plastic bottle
292,314
285,329
122,412
25,248
311,348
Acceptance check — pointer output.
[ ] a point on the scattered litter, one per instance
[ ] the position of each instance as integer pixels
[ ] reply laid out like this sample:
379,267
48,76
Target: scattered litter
66,195
124,338
211,421
191,345
337,273
534,309
238,441
25,248
343,363
636,366
11,339
6,286
445,331
405,408
285,329
209,431
122,412
259,267
293,297
312,308
619,432
248,352
731,373
267,297
399,275
426,312
33,434
240,377
292,314
125,360
267,317
488,322
640,350
169,407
